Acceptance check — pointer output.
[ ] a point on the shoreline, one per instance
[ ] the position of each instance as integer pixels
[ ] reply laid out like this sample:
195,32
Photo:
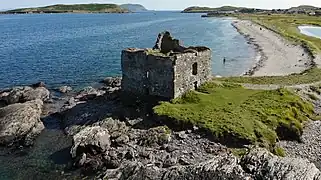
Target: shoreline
275,55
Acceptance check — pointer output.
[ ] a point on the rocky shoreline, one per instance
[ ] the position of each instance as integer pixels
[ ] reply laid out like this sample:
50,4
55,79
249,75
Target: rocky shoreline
116,137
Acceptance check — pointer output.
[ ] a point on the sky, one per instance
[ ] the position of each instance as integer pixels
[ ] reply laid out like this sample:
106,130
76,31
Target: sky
168,4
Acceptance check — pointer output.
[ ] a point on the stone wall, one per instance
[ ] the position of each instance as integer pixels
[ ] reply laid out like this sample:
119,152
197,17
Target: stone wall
185,78
147,74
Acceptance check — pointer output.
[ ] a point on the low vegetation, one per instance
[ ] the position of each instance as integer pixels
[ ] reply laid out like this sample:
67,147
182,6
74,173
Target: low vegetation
236,116
73,8
197,9
308,76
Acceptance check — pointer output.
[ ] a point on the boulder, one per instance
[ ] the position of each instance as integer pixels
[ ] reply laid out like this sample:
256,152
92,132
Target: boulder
264,165
39,84
65,89
24,94
89,93
112,81
20,122
156,136
90,140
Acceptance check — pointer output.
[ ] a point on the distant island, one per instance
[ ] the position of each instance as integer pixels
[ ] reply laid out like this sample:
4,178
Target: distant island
75,8
197,9
134,7
226,10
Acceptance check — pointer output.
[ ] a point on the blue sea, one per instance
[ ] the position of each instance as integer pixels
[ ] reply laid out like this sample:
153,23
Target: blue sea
81,49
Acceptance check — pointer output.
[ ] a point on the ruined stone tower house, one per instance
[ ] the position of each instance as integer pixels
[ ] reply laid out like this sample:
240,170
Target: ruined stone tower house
168,70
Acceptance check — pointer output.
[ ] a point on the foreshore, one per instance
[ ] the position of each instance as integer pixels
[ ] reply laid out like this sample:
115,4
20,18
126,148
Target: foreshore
276,55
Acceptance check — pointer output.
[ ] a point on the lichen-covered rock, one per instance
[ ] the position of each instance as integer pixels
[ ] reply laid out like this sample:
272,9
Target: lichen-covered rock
24,94
264,165
20,122
91,140
156,136
220,167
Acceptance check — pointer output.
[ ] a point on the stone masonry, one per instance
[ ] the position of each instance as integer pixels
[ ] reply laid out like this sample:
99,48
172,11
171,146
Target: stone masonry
168,70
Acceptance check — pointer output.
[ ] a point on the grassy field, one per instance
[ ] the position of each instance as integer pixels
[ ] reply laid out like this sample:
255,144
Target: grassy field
234,115
287,26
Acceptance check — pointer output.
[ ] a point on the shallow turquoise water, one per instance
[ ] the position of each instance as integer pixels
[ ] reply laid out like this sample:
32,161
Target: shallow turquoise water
80,49
311,31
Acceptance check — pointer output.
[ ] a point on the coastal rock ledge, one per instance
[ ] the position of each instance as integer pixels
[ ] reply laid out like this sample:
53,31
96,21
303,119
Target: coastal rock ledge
258,164
20,123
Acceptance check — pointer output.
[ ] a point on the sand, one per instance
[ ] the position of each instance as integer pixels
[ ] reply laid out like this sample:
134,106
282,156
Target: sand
276,56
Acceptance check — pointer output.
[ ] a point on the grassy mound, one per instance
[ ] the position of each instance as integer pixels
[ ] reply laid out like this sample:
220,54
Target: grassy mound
308,76
236,116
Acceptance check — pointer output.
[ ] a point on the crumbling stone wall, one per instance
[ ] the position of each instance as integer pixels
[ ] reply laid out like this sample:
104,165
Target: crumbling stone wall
185,78
169,70
147,74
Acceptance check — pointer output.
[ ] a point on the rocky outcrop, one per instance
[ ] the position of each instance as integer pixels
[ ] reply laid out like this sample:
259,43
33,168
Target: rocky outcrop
20,123
112,81
24,94
89,93
64,89
263,165
258,164
92,140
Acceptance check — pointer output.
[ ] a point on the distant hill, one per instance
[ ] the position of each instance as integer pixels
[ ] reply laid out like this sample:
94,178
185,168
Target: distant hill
76,8
197,9
134,7
303,8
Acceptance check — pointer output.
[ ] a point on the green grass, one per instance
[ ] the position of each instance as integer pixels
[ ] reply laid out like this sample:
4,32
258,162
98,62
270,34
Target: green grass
76,8
308,76
237,116
287,26
279,152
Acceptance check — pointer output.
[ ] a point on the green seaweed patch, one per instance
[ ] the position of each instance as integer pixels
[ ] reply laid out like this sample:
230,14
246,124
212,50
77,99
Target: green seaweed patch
236,116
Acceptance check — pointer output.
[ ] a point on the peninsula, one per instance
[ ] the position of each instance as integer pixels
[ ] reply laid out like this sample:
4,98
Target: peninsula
75,8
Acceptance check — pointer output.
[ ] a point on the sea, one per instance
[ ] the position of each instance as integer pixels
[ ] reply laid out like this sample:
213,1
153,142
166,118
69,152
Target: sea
81,49
314,31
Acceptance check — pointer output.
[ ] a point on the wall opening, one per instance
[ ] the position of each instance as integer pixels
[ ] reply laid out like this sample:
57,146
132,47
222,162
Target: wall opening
195,85
194,69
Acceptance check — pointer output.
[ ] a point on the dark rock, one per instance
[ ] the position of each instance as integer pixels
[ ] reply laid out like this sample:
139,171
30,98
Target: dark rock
24,94
65,89
156,136
112,81
182,135
89,93
123,139
20,123
183,161
169,162
39,84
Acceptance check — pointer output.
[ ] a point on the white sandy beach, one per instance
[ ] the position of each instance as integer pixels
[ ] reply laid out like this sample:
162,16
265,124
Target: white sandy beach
277,55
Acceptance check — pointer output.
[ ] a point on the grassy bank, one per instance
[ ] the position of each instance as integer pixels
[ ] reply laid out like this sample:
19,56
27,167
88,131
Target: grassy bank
234,115
287,26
